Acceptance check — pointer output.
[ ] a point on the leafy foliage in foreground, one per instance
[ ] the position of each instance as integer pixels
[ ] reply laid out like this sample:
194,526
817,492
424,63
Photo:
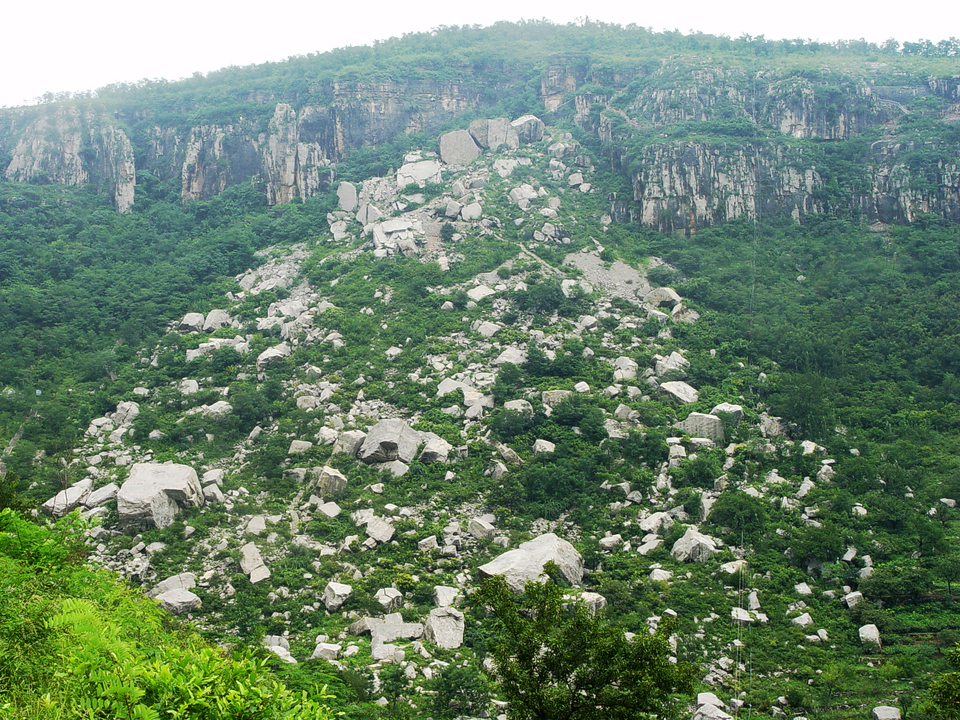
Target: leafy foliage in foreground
557,661
76,643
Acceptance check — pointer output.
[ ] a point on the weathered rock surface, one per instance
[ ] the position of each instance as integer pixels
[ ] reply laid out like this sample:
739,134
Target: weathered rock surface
152,493
526,563
444,628
178,600
458,148
251,562
390,440
694,546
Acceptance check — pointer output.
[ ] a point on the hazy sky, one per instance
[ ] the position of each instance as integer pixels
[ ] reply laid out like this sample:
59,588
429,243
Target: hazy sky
80,45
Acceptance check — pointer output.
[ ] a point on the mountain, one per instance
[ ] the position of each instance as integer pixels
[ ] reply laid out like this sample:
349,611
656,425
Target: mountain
319,345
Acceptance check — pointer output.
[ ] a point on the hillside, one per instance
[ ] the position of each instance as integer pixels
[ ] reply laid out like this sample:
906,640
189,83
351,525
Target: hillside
683,323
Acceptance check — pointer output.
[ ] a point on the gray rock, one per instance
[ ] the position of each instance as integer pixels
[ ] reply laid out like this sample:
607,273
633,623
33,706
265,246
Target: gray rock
543,446
178,600
251,562
803,620
389,598
419,173
661,296
380,530
445,596
473,211
656,522
736,411
495,133
851,600
331,481
152,493
349,442
428,543
436,449
529,128
299,446
181,581
386,629
672,367
68,500
212,493
329,510
192,322
679,391
885,712
702,426
390,440
625,368
217,319
101,496
694,546
273,355
870,634
554,397
458,148
525,563
335,594
481,529
519,406
347,196
444,628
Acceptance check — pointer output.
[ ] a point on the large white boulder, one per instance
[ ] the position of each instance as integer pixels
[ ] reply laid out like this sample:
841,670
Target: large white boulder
444,628
695,546
335,594
870,635
458,148
152,494
525,564
702,425
69,499
529,128
178,600
390,440
273,355
251,562
494,133
680,391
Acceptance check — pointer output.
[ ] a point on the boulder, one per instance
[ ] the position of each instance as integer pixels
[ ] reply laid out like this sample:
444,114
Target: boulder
492,134
852,599
126,413
679,391
519,406
551,398
655,522
331,482
273,355
625,368
178,600
349,442
662,296
702,426
386,629
418,173
458,148
543,446
885,712
694,546
335,594
329,510
152,493
672,367
212,493
389,598
180,581
870,635
525,563
444,628
380,530
192,322
326,651
69,499
390,440
529,128
735,411
435,449
472,211
445,596
251,563
216,319
347,196
481,529
101,496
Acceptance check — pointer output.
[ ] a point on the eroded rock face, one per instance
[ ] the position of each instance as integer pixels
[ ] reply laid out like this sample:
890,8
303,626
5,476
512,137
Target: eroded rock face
525,564
152,494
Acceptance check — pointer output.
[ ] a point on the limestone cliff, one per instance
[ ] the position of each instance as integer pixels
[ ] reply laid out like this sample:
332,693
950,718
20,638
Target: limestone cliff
60,144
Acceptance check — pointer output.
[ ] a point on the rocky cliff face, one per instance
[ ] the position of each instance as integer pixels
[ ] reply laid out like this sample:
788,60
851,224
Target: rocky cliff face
665,124
61,144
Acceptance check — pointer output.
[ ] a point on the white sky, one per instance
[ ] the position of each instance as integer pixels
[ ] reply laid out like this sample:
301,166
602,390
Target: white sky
80,45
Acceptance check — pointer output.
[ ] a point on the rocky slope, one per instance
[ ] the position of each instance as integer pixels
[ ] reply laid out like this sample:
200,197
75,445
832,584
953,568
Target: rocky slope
353,521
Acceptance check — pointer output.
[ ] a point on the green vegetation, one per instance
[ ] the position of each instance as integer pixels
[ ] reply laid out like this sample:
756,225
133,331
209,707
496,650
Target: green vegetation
76,643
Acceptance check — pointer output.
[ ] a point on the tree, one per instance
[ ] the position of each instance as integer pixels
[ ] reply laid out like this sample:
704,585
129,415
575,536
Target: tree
556,661
944,702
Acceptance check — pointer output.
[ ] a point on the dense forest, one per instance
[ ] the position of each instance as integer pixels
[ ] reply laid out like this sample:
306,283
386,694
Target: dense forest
800,200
